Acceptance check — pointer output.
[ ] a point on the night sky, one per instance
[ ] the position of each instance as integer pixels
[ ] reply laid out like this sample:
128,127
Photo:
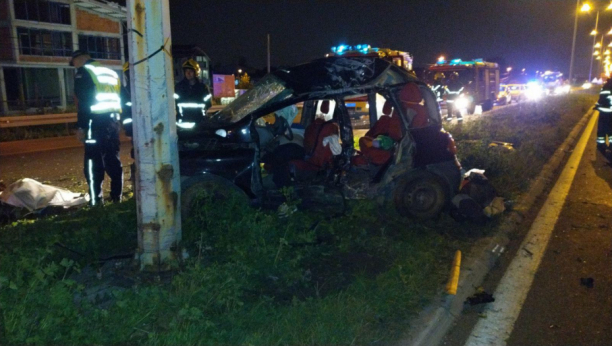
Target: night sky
534,34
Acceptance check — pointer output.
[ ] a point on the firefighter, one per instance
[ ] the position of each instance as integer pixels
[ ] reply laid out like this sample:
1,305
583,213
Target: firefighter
604,124
126,117
438,85
453,90
192,97
97,90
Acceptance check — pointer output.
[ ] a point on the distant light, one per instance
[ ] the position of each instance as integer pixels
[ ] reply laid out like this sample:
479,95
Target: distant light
594,32
585,7
609,7
523,70
508,69
239,70
598,45
587,85
441,59
221,133
598,58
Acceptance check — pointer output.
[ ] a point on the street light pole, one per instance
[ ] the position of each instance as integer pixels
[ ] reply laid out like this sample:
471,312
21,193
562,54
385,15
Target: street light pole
594,42
571,70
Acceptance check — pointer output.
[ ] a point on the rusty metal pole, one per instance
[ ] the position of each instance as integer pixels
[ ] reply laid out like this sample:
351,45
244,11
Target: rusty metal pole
155,140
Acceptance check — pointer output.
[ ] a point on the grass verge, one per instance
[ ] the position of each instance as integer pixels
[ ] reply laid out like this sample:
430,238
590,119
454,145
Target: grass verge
252,278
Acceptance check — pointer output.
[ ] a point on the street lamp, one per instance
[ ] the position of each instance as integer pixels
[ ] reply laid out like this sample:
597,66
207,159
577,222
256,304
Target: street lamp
586,7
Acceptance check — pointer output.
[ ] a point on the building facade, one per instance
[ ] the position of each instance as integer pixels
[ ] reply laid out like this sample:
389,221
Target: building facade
37,38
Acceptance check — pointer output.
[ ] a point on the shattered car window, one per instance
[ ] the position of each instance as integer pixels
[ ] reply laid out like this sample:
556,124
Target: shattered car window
269,89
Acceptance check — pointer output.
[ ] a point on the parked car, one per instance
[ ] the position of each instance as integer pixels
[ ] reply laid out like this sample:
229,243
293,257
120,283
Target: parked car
503,96
419,174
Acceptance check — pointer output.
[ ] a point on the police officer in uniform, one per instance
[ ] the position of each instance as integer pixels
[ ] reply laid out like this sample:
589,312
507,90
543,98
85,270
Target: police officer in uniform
192,97
97,90
604,123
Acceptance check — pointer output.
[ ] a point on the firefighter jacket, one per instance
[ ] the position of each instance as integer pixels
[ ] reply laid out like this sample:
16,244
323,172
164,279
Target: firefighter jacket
97,91
604,104
453,89
126,110
192,101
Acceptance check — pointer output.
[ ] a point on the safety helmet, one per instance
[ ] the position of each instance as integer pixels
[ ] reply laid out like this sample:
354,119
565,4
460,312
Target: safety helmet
192,64
126,66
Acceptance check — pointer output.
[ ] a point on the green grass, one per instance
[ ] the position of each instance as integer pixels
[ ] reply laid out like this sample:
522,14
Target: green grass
252,278
535,129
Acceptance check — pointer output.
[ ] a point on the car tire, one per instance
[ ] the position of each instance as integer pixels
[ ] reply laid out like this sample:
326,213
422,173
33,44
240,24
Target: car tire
421,195
221,188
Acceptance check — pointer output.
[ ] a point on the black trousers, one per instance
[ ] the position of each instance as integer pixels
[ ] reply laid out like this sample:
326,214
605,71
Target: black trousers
604,126
102,155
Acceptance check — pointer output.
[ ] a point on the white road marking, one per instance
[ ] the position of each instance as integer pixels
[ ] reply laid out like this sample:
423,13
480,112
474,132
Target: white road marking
516,282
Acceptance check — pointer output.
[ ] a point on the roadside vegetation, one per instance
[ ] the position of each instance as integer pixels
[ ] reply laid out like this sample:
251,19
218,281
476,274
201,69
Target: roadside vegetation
252,278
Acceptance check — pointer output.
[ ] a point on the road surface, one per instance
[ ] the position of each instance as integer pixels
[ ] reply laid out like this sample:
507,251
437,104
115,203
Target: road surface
561,307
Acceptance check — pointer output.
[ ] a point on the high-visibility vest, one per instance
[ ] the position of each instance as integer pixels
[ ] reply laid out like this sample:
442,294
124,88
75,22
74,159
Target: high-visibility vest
108,89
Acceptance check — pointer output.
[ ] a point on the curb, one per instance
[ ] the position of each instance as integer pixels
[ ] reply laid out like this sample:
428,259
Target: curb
432,324
29,146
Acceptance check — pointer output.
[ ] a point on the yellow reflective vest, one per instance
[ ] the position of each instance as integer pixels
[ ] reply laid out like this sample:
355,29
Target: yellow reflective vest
108,89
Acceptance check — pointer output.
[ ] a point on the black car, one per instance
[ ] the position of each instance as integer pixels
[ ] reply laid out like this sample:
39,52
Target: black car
418,170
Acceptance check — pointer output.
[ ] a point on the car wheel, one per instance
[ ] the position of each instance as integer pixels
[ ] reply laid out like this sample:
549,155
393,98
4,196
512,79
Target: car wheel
194,190
421,196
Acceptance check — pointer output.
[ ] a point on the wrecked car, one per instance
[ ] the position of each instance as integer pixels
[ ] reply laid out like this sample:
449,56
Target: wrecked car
404,157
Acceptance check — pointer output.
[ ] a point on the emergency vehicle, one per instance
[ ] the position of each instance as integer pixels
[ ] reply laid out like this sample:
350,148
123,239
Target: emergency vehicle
480,80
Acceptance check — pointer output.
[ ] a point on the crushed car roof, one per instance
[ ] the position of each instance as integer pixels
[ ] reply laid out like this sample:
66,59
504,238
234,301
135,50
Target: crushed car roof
321,78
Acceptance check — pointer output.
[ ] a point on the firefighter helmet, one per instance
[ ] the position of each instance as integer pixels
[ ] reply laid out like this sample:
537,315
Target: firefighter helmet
193,65
126,66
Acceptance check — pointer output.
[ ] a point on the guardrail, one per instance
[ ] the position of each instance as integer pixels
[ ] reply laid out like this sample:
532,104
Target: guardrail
51,119
34,120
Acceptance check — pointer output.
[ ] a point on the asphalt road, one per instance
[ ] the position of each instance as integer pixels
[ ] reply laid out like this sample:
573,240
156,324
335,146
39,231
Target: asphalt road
62,168
560,308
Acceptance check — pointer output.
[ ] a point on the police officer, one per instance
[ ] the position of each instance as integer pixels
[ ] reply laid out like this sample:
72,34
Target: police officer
97,91
604,123
453,90
192,97
126,117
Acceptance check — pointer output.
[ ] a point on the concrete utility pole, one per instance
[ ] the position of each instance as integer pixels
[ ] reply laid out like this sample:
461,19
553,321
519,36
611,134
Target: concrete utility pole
155,140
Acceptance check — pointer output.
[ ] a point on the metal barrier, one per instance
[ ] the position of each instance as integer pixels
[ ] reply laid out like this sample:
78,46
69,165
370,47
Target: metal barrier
35,120
51,119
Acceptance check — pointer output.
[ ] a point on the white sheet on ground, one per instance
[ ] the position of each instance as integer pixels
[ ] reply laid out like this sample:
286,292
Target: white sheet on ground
32,195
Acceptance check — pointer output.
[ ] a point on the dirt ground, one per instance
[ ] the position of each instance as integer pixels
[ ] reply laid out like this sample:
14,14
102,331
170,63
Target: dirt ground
62,168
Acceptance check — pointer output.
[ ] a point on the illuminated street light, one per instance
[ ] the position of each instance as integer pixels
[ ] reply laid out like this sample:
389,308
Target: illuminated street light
585,7
441,58
598,58
598,45
508,69
596,53
239,70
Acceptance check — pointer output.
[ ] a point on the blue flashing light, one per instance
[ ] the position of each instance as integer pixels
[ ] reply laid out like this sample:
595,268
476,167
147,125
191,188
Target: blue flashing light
334,49
455,61
351,104
478,60
441,62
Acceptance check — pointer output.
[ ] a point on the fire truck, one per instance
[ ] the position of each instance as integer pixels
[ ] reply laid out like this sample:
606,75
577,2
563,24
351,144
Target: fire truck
479,78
